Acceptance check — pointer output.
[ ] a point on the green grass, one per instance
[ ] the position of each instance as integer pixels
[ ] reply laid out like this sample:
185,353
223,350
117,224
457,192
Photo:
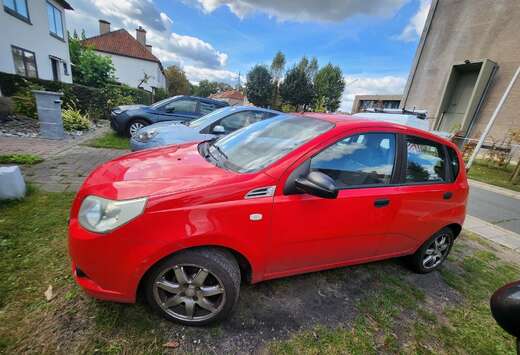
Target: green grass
33,255
483,172
380,327
109,140
22,159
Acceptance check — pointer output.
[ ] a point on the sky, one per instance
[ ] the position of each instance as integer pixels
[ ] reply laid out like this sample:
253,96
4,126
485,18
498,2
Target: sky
372,41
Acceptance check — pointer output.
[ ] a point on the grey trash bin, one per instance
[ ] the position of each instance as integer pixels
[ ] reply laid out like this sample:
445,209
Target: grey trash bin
48,105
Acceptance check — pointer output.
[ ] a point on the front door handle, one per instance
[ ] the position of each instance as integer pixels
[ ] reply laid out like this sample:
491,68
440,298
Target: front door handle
447,195
382,202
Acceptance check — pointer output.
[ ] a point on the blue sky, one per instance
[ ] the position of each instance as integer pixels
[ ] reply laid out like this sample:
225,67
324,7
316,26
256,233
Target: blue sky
373,41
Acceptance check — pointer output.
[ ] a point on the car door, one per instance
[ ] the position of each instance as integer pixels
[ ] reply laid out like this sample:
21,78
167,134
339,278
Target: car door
310,233
428,195
183,109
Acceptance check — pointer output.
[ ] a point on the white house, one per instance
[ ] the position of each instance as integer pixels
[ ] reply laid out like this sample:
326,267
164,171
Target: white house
33,39
133,59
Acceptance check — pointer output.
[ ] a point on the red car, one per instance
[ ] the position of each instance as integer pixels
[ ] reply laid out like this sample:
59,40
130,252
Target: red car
186,224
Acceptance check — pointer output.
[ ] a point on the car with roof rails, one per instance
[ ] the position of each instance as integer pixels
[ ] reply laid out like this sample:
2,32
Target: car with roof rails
128,119
213,125
186,224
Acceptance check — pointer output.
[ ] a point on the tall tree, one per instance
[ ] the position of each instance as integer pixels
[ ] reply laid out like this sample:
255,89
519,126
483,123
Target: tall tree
277,68
177,82
207,88
329,86
259,88
297,88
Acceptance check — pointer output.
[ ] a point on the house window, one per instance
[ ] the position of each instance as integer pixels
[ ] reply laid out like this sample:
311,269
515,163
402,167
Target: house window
17,8
24,62
65,69
55,21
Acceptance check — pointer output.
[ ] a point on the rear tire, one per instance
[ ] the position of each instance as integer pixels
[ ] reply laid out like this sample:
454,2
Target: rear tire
432,254
194,287
134,126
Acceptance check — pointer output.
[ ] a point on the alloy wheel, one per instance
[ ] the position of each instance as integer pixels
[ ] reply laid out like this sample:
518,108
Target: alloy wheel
189,292
134,127
436,251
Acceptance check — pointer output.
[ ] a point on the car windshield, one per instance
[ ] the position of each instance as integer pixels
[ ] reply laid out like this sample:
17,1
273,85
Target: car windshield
209,118
256,146
162,102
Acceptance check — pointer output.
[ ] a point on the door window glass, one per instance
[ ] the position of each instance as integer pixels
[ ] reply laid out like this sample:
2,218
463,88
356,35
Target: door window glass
362,159
206,108
454,163
182,106
425,161
239,120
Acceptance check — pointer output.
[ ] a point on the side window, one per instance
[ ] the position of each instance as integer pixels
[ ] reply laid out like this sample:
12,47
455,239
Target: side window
181,106
363,159
425,161
454,163
239,120
206,108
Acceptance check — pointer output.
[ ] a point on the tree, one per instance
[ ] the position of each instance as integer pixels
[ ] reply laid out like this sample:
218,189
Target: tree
89,68
329,86
277,68
297,88
177,82
207,88
259,88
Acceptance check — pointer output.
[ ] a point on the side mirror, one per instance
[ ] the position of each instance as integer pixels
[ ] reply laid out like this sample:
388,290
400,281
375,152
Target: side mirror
317,184
219,129
505,307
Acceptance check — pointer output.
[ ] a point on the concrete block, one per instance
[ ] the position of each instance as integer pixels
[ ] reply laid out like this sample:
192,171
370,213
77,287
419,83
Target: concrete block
12,184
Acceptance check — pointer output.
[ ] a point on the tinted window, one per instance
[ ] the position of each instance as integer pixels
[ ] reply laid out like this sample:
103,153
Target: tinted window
206,108
454,163
182,106
258,145
363,159
425,161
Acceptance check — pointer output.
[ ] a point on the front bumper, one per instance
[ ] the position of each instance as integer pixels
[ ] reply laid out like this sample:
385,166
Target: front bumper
110,266
118,122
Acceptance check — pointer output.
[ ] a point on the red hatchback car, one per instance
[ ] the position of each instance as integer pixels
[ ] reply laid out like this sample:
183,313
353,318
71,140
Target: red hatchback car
185,224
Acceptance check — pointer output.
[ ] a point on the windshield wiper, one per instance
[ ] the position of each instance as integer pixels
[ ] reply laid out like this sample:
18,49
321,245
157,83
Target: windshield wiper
220,151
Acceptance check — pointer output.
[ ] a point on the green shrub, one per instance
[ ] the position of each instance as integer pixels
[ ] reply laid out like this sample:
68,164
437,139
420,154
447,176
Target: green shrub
73,120
160,94
25,102
6,106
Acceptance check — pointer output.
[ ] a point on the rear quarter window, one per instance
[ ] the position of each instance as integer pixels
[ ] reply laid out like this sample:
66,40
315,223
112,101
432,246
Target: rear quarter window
425,161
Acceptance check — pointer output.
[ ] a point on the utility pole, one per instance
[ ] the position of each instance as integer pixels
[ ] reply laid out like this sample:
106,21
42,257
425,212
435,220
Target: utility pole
492,120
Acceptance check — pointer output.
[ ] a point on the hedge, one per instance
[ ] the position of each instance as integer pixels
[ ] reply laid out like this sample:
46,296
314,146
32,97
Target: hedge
95,102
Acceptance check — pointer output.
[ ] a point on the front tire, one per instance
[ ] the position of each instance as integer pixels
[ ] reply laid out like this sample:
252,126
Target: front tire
134,126
194,287
432,254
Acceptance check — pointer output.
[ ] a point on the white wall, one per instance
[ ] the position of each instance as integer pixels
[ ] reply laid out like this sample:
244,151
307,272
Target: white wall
34,37
131,71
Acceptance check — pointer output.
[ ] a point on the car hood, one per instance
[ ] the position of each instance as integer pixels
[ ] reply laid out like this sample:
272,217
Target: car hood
167,170
174,133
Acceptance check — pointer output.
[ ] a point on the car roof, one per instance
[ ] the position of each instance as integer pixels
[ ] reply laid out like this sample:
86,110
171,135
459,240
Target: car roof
206,99
252,108
342,120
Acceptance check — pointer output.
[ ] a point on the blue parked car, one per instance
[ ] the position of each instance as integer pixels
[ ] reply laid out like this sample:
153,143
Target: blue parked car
214,124
129,119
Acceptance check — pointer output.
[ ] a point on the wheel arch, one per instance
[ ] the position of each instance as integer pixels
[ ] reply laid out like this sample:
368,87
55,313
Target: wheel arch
246,270
135,118
455,228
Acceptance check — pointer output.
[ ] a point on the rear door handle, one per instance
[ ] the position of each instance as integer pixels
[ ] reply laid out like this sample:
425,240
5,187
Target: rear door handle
447,195
382,202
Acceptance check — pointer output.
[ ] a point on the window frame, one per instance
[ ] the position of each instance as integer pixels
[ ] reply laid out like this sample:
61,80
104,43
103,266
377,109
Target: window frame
25,66
16,14
55,35
404,163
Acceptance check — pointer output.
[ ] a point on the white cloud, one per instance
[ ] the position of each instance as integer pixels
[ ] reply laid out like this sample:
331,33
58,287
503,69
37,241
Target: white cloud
305,10
414,28
196,74
370,85
168,46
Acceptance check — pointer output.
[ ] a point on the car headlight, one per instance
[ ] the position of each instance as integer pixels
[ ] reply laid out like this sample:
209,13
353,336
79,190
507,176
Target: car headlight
147,135
101,215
